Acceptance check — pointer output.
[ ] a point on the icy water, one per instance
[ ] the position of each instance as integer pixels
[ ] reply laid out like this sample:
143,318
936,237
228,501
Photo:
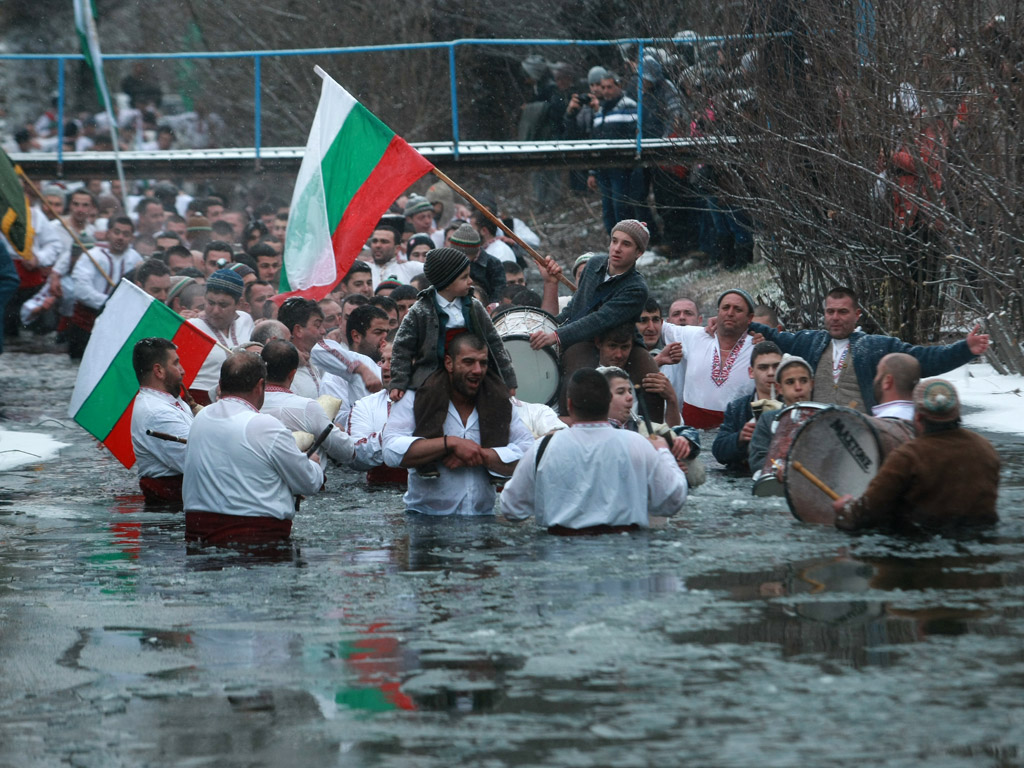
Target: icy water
734,636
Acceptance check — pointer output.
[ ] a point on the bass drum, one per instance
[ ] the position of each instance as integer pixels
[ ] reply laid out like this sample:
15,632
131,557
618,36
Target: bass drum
784,429
844,449
537,371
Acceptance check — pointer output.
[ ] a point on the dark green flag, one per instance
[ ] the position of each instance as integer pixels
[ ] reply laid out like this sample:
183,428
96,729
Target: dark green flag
15,218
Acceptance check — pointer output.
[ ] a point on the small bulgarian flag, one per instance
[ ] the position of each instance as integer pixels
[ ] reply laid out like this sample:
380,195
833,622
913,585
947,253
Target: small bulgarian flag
353,169
15,213
106,385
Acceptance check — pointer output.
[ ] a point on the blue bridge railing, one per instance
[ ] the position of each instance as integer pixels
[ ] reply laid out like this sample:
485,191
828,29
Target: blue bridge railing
451,46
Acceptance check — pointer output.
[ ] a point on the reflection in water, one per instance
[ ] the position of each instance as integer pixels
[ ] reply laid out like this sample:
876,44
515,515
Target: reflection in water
380,638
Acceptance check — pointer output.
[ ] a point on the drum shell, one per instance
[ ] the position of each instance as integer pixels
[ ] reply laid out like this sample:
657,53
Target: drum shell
787,424
843,448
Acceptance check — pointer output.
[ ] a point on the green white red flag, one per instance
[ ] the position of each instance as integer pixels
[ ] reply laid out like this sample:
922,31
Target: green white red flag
354,168
106,385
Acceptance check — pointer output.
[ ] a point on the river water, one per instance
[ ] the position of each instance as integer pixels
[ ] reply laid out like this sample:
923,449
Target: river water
732,636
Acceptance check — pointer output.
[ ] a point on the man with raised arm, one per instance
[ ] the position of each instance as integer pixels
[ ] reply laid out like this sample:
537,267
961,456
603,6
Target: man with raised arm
717,362
844,359
298,413
610,292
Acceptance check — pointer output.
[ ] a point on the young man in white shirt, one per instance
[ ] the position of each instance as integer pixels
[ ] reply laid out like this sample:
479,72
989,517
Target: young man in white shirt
225,324
592,478
96,276
298,413
159,461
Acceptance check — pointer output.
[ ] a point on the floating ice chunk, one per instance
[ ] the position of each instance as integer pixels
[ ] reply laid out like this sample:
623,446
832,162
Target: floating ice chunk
18,449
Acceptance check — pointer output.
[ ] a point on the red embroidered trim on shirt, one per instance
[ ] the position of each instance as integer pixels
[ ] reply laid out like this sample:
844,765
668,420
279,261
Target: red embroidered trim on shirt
720,371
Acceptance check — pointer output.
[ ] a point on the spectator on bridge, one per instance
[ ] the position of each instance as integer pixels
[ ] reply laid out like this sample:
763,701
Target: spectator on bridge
614,119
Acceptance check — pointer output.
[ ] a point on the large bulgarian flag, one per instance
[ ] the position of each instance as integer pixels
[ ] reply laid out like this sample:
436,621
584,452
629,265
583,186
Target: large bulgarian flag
106,385
354,168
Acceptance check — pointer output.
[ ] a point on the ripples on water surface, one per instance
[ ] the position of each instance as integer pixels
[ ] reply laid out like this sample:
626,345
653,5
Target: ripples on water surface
733,636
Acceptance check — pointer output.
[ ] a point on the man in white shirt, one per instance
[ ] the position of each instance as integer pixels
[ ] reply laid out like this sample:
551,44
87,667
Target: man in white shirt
366,422
367,330
384,266
96,275
158,408
242,469
305,322
299,414
464,486
716,363
592,478
222,321
682,311
895,379
491,243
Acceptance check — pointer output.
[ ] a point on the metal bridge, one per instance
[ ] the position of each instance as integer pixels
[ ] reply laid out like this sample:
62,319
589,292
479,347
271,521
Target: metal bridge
450,153
511,155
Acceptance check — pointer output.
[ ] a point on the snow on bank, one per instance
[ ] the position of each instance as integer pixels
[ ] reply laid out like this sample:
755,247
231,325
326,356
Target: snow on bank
999,400
20,448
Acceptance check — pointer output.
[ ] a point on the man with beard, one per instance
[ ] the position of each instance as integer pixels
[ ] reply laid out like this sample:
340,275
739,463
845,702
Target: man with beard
464,485
160,463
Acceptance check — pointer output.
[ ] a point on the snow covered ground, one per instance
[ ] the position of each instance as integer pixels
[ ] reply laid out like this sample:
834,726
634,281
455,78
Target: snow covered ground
20,448
992,402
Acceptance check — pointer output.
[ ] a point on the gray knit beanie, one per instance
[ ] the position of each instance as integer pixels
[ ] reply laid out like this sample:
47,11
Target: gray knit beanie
466,240
417,204
443,265
637,230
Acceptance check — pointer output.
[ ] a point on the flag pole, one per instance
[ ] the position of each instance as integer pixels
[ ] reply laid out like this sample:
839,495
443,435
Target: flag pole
476,204
498,223
49,208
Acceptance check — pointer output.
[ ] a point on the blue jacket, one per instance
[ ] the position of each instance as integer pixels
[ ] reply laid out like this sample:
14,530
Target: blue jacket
867,350
726,448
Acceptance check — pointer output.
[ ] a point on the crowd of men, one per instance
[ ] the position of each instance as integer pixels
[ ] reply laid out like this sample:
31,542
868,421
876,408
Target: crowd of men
400,371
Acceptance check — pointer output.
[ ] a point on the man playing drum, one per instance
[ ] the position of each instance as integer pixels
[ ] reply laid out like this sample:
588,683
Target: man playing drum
610,292
947,476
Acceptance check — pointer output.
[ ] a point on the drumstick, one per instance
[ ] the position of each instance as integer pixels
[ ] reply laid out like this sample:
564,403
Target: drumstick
814,480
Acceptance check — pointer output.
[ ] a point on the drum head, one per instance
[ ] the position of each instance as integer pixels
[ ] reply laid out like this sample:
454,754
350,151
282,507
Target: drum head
840,447
523,320
536,370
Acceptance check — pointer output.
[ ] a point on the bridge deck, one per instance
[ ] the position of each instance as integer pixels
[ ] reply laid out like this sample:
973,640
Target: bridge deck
205,163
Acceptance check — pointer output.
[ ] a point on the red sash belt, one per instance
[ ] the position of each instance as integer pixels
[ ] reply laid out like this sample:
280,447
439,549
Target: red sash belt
592,530
701,418
161,488
216,528
385,475
84,317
